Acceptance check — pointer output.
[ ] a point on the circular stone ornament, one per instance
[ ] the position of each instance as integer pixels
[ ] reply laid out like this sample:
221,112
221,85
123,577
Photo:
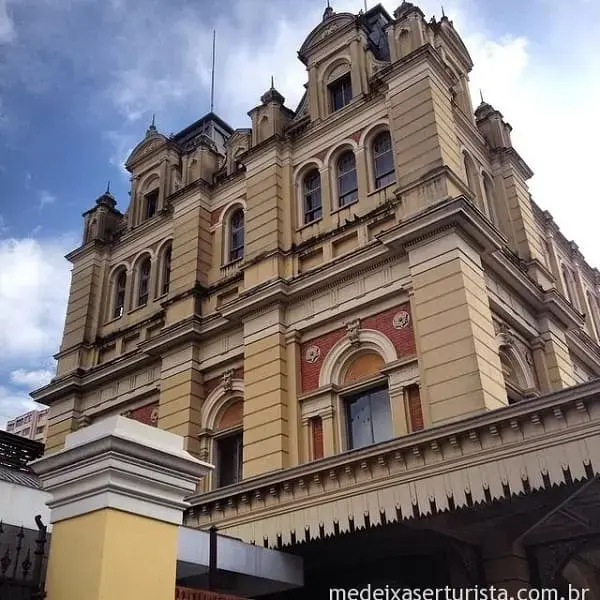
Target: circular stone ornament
312,354
401,320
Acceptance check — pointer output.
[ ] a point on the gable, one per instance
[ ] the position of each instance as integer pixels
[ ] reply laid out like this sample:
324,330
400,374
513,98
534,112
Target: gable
324,30
146,147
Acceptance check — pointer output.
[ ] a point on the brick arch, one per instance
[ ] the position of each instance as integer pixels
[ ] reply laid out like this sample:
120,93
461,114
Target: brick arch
231,415
218,401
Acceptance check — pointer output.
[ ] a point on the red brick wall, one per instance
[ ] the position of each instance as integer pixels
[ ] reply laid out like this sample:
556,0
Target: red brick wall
316,429
415,411
402,339
146,414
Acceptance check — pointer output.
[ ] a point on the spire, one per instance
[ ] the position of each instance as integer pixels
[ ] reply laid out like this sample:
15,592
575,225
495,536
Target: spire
272,95
328,12
272,83
152,127
481,96
443,13
107,199
108,187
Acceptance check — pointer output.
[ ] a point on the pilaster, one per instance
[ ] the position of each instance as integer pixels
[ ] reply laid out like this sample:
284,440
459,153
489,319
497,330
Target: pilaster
266,401
460,366
558,360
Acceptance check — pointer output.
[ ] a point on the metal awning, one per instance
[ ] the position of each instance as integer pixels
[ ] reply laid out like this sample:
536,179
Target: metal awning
241,569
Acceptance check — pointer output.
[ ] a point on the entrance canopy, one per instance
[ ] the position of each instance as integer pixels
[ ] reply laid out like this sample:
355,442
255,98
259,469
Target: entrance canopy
241,569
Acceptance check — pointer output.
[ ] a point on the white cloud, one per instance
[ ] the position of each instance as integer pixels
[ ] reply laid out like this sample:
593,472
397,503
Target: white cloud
14,403
31,379
46,198
7,27
34,284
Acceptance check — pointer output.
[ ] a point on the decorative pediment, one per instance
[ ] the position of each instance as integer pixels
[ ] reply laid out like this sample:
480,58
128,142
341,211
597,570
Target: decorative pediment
325,30
146,147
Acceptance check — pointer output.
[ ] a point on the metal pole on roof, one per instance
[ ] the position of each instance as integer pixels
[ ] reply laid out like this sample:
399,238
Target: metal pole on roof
212,79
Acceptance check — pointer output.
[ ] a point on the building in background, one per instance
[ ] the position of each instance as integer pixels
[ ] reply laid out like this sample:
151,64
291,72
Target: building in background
357,312
31,425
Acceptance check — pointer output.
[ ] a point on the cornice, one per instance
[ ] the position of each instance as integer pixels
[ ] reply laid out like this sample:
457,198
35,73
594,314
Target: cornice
514,158
518,417
585,348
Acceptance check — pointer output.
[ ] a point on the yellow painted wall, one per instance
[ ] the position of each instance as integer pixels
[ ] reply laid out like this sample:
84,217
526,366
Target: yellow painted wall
112,555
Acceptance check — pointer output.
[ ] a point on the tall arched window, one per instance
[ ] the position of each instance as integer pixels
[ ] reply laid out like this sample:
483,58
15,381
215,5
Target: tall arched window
166,271
311,192
471,173
383,160
120,287
569,283
236,235
346,179
488,187
150,203
594,313
144,281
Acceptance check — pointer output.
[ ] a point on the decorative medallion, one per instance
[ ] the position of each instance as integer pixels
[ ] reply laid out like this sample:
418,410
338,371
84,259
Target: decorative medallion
401,320
228,380
353,331
154,415
328,30
312,354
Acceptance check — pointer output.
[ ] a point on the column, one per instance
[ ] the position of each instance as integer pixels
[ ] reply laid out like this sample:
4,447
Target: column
460,366
505,565
266,429
116,504
292,339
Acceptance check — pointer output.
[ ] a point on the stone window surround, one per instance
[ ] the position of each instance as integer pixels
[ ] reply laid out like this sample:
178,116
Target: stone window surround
327,402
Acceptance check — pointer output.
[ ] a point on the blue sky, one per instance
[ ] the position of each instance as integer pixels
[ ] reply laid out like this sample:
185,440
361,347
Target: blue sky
80,79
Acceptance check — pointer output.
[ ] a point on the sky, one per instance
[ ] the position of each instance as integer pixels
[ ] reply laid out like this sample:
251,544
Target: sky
80,80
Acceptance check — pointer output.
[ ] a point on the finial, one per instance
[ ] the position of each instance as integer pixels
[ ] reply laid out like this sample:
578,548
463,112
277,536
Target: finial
272,83
108,187
481,96
152,126
443,13
328,4
153,120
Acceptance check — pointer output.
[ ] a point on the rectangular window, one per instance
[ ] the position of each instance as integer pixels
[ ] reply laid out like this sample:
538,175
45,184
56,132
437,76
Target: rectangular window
151,203
10,427
340,92
369,418
316,429
229,459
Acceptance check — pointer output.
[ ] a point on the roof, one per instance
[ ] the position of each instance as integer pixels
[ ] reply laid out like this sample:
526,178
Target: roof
16,453
19,478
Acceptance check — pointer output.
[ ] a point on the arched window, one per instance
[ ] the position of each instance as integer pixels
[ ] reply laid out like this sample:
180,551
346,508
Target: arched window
166,270
594,313
236,235
120,287
311,191
144,282
228,445
383,160
569,282
488,187
346,179
150,203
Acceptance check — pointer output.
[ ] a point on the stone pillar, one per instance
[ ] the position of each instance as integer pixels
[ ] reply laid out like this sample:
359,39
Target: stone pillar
460,366
116,505
505,565
266,430
181,396
292,340
558,360
541,369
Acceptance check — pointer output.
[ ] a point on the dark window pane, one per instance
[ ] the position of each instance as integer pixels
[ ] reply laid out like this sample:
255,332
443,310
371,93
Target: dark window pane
347,181
120,294
144,282
166,280
312,197
381,416
369,418
229,459
383,160
340,92
151,201
236,242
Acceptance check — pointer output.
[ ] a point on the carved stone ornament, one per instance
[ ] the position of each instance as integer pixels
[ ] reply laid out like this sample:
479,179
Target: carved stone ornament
401,320
328,30
529,358
228,380
312,354
353,331
505,336
154,415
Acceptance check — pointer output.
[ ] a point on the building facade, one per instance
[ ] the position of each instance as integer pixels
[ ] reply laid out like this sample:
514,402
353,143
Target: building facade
340,302
31,425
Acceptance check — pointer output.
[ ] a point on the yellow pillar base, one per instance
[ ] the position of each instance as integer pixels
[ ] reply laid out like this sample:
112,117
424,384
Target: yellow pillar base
112,554
116,500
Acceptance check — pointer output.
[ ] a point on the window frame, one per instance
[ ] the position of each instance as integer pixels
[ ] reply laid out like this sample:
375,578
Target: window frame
309,215
119,305
346,198
143,277
354,395
382,180
236,251
165,280
218,438
343,83
151,201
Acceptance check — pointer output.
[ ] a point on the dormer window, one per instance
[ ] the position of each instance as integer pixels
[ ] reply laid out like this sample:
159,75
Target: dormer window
150,204
340,92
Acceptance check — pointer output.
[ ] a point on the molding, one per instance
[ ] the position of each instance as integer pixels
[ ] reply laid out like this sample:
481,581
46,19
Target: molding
218,399
120,464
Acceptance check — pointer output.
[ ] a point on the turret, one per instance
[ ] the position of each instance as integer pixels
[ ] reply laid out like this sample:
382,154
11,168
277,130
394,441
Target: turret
102,221
270,117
